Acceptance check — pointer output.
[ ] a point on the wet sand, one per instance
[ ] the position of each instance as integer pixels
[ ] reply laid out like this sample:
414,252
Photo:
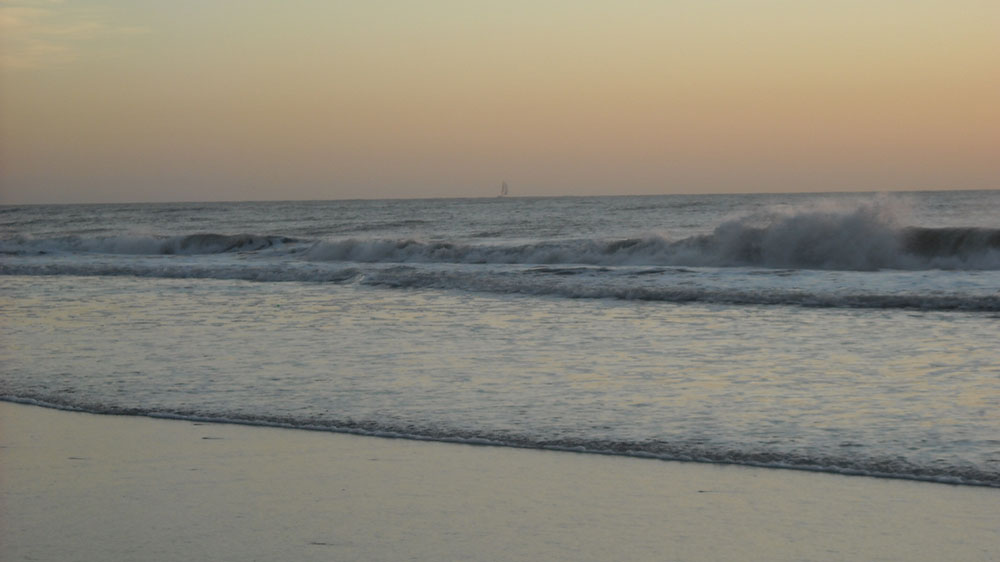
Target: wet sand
77,486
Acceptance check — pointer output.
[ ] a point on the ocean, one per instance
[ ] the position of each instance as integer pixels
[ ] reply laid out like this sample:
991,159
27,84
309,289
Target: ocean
846,333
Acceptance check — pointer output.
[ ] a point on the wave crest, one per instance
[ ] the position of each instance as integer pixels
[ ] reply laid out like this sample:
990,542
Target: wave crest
862,237
190,244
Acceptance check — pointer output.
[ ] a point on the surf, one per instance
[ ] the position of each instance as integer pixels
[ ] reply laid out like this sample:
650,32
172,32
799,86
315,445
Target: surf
867,236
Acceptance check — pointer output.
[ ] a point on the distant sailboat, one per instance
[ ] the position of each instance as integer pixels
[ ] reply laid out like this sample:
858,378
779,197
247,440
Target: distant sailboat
503,189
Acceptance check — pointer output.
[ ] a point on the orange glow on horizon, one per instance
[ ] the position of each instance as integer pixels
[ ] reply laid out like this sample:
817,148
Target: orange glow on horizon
235,100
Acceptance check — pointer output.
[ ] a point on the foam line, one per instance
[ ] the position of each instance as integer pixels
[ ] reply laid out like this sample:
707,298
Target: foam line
879,468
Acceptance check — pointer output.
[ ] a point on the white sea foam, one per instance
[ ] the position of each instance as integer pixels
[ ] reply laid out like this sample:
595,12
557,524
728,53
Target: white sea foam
877,467
904,290
815,334
856,237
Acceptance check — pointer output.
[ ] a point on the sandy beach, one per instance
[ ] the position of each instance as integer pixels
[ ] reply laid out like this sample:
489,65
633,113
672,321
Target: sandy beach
86,487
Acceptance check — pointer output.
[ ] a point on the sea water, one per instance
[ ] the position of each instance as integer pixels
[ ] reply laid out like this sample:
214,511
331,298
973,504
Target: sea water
856,334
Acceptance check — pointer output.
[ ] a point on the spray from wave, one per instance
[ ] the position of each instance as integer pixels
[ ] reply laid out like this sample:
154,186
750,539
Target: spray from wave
864,236
861,237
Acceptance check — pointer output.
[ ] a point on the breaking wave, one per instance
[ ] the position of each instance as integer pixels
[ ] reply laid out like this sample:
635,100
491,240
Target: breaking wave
731,245
863,238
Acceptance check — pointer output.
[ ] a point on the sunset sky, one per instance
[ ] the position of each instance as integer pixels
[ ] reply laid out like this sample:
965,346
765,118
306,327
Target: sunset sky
125,100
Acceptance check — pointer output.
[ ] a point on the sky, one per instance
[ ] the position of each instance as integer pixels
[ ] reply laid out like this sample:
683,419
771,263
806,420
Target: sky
125,100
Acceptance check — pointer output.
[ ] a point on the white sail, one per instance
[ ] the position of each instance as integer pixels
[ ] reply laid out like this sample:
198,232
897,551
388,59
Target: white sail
503,189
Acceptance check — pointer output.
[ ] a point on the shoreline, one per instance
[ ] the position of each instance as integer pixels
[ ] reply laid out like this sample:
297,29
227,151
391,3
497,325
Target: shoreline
482,442
80,486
